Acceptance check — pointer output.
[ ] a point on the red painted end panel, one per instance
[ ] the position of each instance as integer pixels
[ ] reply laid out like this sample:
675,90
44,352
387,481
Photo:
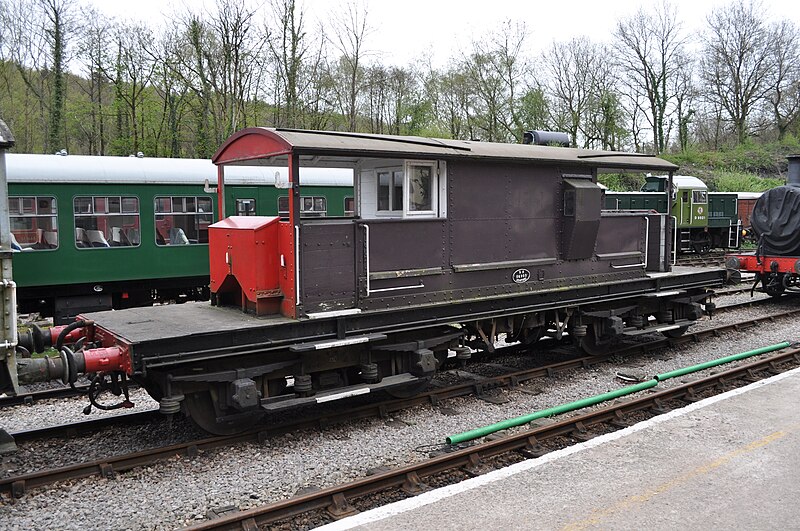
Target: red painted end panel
288,274
245,249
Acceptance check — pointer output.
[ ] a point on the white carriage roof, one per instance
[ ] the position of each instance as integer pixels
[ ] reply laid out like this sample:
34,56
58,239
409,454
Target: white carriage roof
261,145
683,181
53,169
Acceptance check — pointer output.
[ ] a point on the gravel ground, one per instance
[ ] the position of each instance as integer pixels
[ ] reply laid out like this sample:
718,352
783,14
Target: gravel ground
181,491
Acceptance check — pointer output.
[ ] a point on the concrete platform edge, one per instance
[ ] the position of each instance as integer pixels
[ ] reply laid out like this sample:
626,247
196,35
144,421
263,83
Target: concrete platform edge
427,498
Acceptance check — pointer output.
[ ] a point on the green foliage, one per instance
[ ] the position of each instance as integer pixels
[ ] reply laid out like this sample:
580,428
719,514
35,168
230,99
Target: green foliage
622,182
741,182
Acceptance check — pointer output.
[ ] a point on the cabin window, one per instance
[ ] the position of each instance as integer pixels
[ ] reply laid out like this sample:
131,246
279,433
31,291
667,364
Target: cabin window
245,207
34,225
421,188
310,206
349,206
699,196
410,189
183,220
390,191
106,221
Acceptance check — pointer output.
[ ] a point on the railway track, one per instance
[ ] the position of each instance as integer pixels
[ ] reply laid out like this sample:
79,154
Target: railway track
371,491
107,467
713,258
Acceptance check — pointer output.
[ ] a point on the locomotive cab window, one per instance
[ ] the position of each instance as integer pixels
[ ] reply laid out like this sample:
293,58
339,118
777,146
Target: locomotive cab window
183,220
699,196
106,221
34,225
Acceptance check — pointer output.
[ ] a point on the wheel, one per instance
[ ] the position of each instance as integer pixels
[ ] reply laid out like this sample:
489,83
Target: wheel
701,246
591,345
675,332
201,409
773,285
409,390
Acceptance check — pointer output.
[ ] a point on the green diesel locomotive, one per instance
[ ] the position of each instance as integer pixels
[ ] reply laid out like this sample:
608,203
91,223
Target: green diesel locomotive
702,220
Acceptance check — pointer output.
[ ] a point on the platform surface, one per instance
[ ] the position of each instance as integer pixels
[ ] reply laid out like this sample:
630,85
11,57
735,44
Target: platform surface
728,462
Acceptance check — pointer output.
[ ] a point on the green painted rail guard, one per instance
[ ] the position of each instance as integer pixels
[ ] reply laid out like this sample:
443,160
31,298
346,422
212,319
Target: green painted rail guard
596,399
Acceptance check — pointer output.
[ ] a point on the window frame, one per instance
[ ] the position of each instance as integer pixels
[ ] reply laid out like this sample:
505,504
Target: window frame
434,185
93,214
35,215
394,172
304,213
242,199
195,213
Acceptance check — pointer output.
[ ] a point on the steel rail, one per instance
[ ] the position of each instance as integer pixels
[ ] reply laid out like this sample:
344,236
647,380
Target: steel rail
336,500
18,485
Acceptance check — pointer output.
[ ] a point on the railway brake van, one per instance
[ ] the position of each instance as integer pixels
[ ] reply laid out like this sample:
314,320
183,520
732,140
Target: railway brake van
95,233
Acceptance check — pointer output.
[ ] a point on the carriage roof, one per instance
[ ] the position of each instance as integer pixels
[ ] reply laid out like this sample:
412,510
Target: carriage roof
52,169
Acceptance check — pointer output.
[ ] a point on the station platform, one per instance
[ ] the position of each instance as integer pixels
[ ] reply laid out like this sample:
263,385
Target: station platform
731,461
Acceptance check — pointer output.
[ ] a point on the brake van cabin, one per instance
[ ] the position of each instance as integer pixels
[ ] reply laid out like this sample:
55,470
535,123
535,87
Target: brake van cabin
436,221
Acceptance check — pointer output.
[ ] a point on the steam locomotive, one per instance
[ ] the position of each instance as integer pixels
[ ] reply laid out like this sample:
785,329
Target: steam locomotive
775,222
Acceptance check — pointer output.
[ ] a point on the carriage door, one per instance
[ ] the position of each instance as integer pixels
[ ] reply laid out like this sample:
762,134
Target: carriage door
686,206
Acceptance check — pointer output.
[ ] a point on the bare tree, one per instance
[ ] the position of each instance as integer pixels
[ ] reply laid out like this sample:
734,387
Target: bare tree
38,34
93,55
570,66
784,97
649,46
239,56
736,62
350,32
289,49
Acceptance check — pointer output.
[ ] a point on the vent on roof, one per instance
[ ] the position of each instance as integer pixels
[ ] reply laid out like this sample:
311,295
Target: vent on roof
546,138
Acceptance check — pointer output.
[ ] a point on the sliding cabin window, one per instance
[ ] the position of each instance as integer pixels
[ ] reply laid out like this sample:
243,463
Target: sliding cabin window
421,189
183,220
106,221
34,223
349,206
390,190
412,189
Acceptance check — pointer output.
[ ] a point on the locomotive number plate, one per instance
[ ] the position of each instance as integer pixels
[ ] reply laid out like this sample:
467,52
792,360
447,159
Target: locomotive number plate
521,276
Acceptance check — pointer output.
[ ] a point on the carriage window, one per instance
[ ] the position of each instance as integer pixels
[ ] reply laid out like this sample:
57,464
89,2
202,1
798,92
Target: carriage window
183,220
390,191
245,207
349,206
34,225
699,196
310,206
106,221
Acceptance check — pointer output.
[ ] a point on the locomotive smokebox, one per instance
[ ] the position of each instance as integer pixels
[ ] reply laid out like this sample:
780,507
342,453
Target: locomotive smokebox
794,170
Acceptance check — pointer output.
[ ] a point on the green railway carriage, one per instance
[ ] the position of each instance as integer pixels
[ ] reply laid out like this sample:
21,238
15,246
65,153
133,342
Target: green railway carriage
703,220
114,232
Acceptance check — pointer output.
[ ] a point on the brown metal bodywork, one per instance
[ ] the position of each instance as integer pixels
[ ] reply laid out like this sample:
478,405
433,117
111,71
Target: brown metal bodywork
504,222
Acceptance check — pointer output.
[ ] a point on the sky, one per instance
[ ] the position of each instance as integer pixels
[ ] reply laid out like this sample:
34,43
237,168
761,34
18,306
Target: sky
436,30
